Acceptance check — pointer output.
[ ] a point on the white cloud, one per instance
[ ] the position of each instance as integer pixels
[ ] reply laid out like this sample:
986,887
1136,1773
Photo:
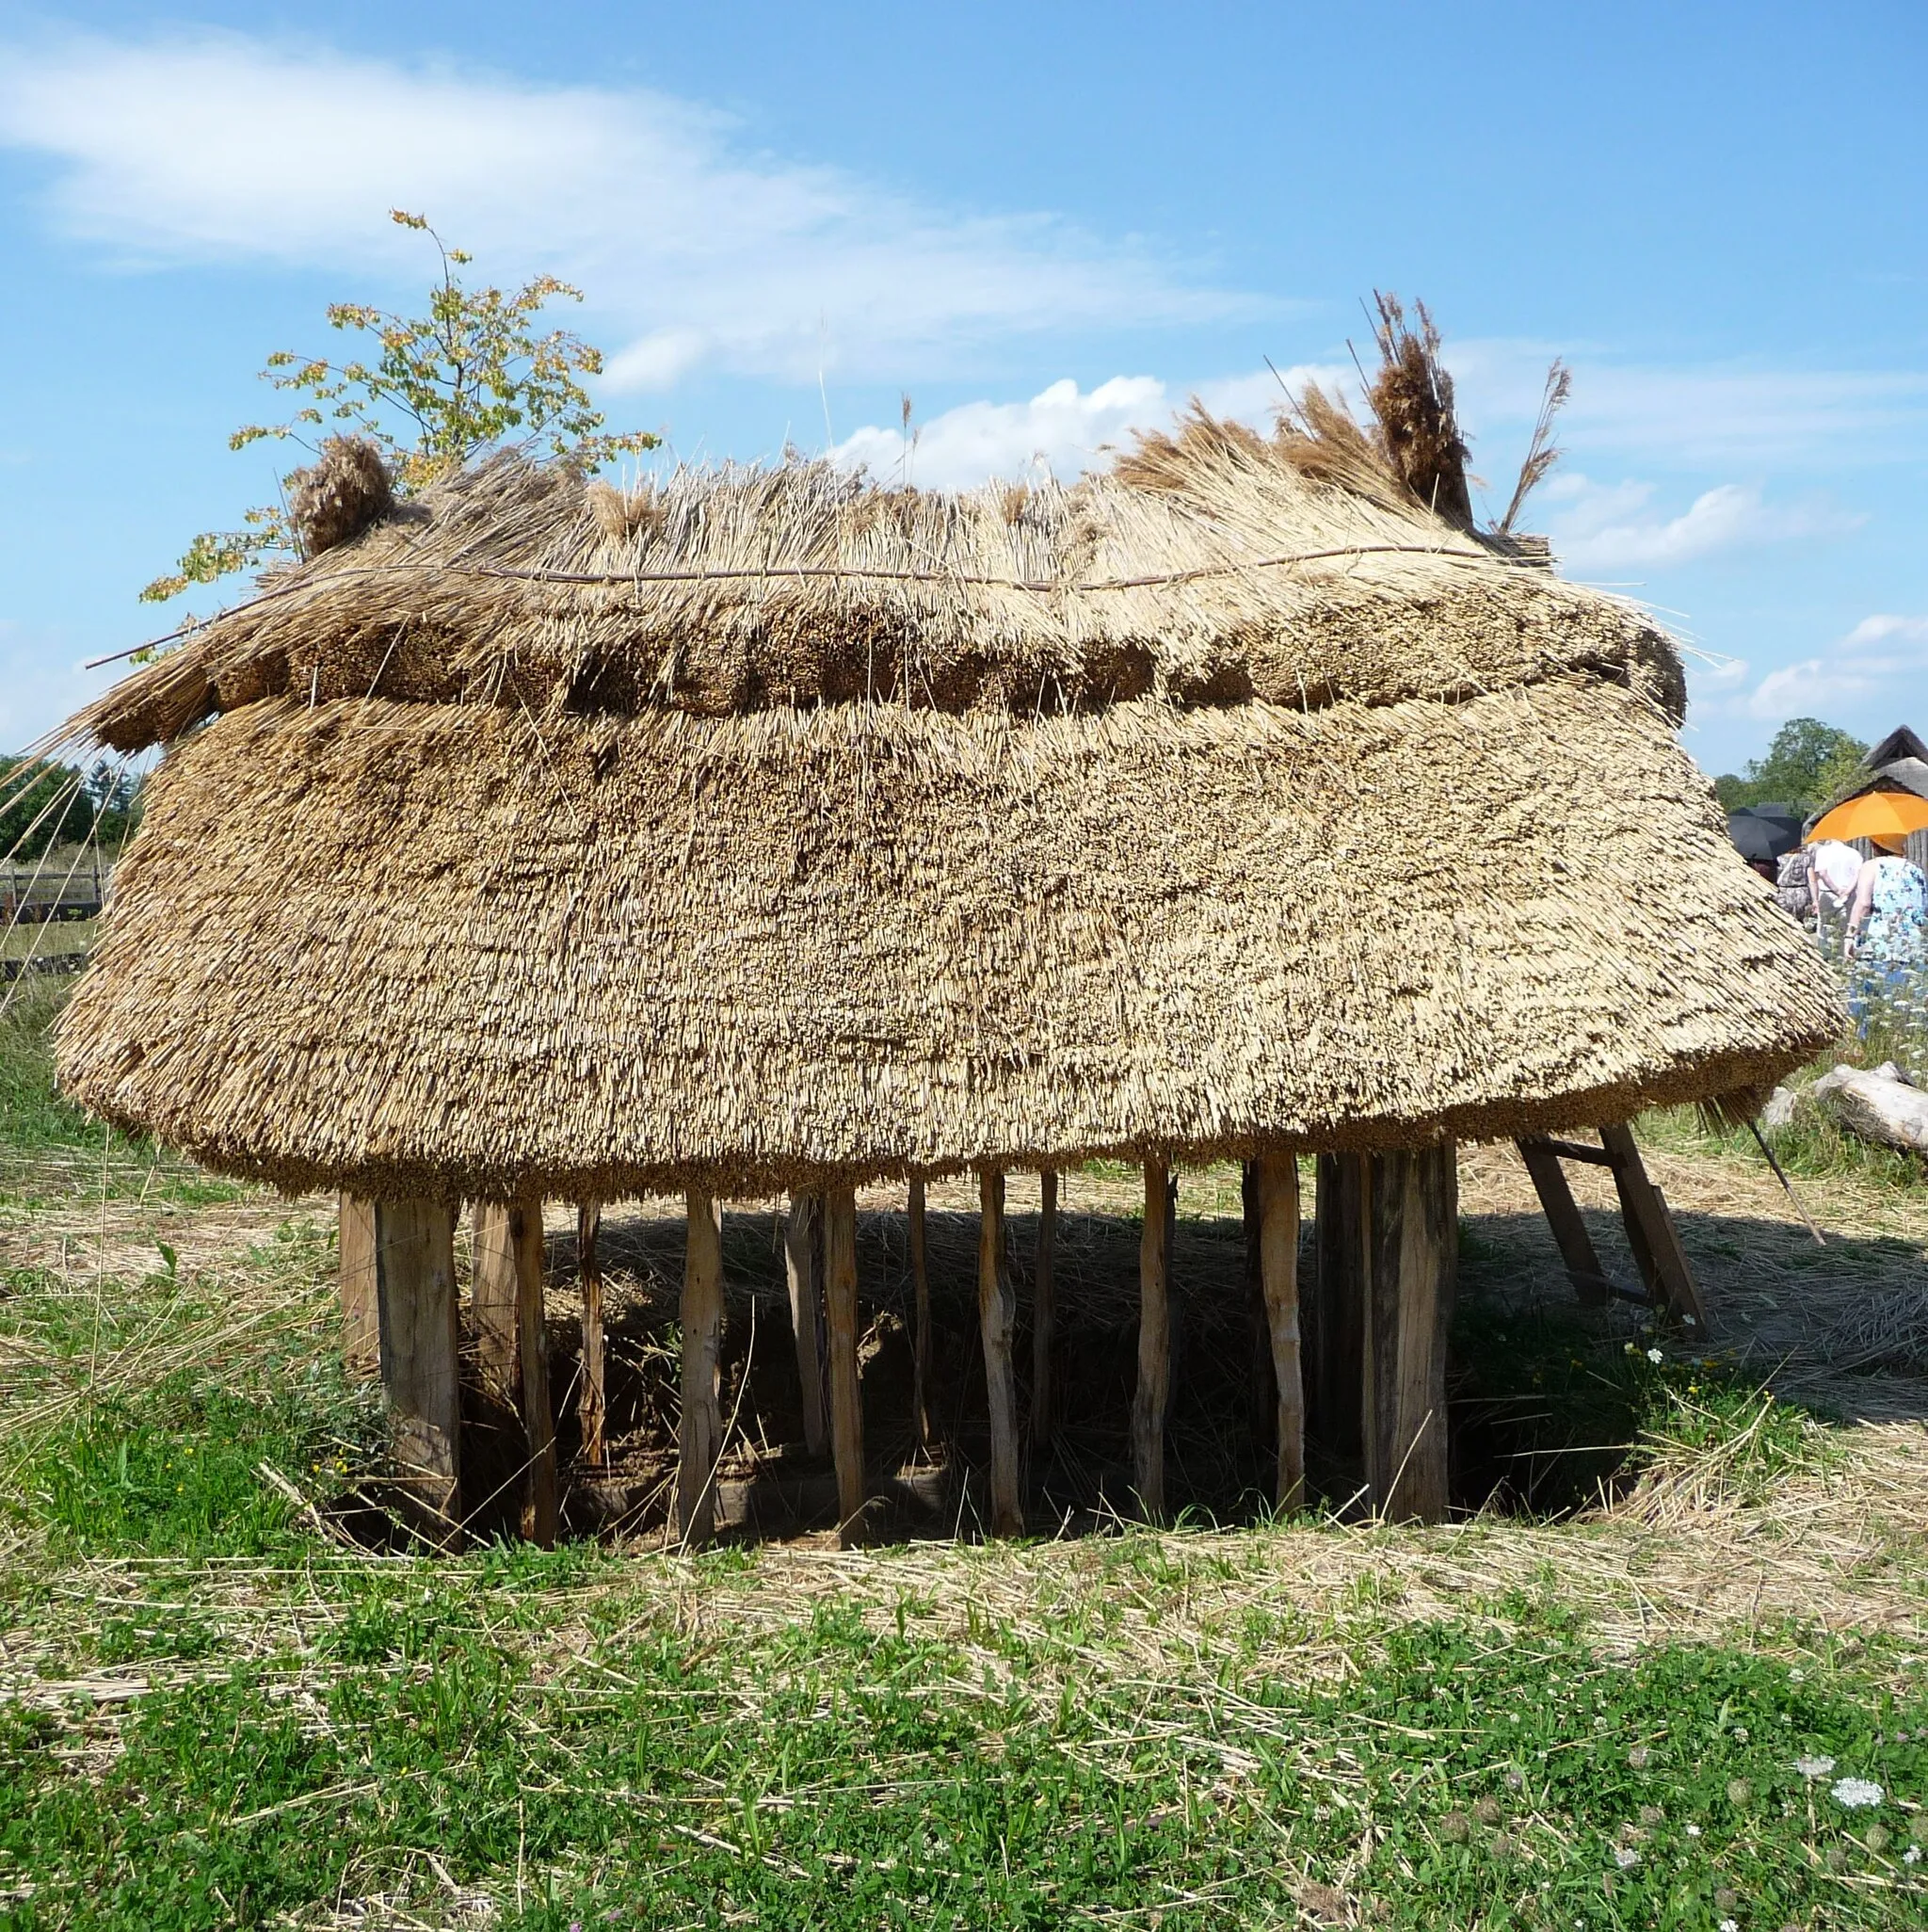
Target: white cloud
715,255
1066,428
1598,527
1716,415
37,684
1878,667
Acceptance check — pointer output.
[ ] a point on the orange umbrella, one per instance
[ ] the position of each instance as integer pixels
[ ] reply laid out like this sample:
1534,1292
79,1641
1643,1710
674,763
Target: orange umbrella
1874,815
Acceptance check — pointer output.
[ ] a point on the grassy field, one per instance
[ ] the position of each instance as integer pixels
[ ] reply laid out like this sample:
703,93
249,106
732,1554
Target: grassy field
1700,1698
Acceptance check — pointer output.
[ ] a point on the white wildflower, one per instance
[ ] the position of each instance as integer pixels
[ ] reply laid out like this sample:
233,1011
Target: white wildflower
1814,1767
1856,1793
1694,1831
1654,1354
1626,1857
1912,1856
1731,1926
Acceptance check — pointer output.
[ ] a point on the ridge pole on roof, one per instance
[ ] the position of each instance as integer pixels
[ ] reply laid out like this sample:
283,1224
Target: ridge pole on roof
1044,1311
1412,1219
593,1406
540,1509
355,1258
699,1444
846,1401
492,1297
803,1270
415,1292
1153,1393
1277,1190
920,1315
997,1317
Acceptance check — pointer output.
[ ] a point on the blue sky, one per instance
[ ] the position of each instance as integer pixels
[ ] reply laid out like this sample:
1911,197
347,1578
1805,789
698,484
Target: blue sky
1047,224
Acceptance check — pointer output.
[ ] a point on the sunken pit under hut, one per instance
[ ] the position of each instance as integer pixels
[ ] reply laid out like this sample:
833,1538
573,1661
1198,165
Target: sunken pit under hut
762,832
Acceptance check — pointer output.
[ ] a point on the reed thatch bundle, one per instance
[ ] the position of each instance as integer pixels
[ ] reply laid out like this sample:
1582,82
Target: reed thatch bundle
770,826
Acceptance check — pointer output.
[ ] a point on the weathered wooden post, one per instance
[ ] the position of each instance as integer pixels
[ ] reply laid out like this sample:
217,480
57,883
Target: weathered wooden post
593,1404
541,1506
1153,1393
1044,1313
1412,1217
920,1316
360,1310
803,1270
1335,1414
492,1291
415,1293
1277,1200
699,1444
997,1317
846,1401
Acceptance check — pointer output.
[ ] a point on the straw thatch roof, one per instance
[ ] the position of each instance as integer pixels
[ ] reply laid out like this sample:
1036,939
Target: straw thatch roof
768,824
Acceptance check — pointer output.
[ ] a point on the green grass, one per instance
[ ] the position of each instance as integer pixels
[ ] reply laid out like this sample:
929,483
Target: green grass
835,1775
1812,1145
33,1116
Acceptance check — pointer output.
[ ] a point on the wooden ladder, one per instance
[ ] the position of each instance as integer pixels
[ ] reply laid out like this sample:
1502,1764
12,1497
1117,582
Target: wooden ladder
1668,1277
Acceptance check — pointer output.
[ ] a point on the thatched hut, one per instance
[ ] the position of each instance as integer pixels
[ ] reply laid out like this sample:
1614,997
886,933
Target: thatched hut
765,831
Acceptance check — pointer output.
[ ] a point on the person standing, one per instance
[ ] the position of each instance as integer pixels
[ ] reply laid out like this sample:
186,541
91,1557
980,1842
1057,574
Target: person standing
1888,927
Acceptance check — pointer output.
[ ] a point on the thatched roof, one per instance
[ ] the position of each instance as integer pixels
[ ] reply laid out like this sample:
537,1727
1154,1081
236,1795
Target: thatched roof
771,825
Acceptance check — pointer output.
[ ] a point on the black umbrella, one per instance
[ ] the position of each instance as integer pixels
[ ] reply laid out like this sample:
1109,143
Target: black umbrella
1763,831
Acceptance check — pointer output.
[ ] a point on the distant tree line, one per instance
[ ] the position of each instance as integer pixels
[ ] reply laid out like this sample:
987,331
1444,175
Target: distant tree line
1808,763
44,804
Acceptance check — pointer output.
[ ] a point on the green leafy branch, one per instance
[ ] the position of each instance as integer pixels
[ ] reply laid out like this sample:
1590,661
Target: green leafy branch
470,375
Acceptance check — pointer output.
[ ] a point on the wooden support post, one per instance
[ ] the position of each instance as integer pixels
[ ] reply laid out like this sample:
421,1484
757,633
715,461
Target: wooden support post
1277,1190
997,1317
593,1405
699,1445
1651,1233
1334,1413
492,1299
361,1311
846,1399
1177,1329
1044,1314
1153,1393
920,1317
1260,1383
1570,1231
1412,1215
415,1293
539,1502
803,1267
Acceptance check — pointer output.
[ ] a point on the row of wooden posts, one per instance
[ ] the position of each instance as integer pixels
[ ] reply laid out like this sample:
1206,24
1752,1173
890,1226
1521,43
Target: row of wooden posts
1386,1239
